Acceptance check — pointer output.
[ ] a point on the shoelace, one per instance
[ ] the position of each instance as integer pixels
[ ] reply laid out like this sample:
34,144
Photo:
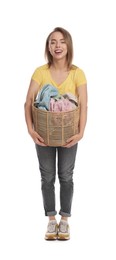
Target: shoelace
51,227
63,227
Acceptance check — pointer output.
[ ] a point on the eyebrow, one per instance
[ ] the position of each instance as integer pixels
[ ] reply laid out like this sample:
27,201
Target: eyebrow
56,40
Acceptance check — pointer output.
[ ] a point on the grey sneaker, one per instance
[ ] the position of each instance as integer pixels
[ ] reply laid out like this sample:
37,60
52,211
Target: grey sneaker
63,230
52,230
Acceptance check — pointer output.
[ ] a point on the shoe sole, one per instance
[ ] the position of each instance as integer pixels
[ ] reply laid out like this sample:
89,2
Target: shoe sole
62,237
50,237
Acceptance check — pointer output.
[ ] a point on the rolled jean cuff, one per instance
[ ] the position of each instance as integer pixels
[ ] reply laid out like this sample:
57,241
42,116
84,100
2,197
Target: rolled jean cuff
64,214
51,213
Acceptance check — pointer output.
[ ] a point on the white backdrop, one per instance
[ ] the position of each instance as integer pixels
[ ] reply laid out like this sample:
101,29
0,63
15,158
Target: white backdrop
24,26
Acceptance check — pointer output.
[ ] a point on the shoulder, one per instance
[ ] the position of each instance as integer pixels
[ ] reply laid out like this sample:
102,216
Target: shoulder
42,67
76,69
39,72
79,75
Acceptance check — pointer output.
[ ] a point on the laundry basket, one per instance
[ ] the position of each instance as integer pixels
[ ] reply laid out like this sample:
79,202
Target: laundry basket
55,127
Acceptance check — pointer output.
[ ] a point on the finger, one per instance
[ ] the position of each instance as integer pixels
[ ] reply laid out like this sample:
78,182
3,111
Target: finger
40,143
66,145
69,140
70,144
73,138
40,138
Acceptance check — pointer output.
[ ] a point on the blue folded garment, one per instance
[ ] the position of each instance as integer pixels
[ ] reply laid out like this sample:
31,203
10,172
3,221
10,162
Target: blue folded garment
44,96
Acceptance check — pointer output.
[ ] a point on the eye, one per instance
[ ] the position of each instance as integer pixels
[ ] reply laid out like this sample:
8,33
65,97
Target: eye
63,42
53,42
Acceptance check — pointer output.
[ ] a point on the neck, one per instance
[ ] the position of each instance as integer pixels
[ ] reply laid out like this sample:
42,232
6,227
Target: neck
59,65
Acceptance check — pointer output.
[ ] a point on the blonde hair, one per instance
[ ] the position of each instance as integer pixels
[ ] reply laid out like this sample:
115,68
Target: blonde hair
69,43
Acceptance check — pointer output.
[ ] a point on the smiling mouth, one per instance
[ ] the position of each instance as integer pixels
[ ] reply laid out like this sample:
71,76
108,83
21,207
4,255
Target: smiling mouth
58,51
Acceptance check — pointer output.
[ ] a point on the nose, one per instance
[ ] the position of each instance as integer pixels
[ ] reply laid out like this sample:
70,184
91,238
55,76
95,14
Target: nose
57,44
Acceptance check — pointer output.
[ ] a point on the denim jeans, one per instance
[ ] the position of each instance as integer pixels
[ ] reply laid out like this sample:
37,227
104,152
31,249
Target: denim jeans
47,165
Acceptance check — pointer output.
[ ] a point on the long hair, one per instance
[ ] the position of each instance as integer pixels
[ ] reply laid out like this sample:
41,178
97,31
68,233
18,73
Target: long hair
69,43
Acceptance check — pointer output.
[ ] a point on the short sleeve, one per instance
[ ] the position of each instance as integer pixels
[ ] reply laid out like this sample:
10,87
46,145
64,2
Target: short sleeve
80,78
37,76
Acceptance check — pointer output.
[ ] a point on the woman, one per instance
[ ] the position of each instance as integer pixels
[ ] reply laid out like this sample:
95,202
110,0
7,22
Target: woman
67,78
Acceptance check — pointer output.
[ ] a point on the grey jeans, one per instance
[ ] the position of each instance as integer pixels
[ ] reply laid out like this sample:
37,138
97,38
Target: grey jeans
47,165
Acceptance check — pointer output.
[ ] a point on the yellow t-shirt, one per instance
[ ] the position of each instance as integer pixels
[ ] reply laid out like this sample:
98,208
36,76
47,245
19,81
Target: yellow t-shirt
75,78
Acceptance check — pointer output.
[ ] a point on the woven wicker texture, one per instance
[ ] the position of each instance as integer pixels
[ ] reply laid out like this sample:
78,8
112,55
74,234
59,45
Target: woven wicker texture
55,127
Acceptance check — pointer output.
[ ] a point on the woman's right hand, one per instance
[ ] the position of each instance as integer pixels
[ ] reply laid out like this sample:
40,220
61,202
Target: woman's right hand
37,138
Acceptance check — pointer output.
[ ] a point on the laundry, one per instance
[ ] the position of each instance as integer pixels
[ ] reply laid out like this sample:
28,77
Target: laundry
62,104
49,99
43,99
72,98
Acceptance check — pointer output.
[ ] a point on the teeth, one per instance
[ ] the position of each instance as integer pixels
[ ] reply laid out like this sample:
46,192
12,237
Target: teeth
58,51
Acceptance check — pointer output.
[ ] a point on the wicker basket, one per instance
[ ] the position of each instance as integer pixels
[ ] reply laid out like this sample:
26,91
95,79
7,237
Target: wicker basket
55,127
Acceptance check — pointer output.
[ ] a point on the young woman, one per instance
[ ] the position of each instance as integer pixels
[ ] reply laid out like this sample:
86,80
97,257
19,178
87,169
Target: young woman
67,78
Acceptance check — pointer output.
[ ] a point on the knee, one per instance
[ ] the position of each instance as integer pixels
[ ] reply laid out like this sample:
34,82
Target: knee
47,177
65,177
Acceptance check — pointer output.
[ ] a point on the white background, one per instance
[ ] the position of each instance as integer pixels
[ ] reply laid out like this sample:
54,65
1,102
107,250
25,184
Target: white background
24,26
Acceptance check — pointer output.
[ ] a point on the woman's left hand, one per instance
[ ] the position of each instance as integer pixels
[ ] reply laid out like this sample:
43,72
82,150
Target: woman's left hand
73,140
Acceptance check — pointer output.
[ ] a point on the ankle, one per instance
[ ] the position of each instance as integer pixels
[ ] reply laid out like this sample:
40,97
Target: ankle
52,218
64,218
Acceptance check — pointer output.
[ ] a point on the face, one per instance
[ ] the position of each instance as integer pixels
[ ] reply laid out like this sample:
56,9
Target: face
57,46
